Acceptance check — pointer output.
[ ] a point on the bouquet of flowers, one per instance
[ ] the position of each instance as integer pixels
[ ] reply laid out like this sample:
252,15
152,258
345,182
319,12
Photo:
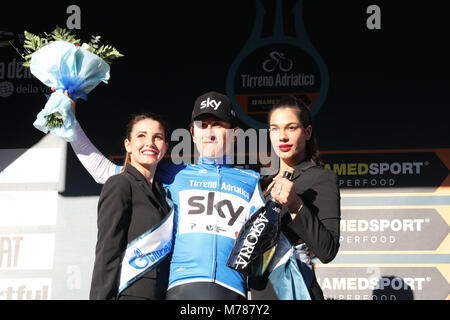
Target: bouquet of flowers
59,61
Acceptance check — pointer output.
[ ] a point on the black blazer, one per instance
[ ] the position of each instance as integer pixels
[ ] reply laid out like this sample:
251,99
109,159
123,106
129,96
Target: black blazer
317,224
127,208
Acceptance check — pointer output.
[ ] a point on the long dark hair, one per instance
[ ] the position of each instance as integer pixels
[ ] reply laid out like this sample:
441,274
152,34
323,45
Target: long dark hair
304,116
135,119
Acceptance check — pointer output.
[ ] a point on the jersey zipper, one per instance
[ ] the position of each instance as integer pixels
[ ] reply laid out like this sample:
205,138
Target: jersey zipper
214,266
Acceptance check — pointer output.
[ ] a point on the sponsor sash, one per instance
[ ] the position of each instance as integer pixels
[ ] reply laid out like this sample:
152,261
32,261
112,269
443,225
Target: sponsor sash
291,270
146,252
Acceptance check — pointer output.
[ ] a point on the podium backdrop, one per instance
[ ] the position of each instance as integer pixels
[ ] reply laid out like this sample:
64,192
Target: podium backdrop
374,73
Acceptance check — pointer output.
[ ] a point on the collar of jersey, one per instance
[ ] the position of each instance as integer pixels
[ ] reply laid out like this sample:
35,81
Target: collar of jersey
222,161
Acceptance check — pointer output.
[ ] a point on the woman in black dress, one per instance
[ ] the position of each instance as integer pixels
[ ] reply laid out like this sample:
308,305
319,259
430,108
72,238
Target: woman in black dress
130,204
311,200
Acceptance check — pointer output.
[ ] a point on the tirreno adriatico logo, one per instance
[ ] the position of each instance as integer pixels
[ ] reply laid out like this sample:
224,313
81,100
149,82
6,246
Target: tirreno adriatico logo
269,67
277,60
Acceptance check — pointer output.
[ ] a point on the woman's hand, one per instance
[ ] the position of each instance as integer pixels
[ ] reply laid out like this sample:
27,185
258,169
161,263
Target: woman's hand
72,103
283,191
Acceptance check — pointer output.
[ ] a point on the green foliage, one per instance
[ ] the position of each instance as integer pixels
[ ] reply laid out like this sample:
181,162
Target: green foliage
108,53
61,34
54,120
95,40
33,43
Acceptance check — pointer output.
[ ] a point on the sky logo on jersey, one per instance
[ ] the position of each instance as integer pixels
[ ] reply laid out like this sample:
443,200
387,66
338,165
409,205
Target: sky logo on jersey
197,202
211,212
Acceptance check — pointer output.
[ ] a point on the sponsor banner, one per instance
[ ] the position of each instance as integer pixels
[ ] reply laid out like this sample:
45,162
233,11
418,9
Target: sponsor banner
394,199
371,170
34,165
25,289
28,208
15,79
389,257
27,251
394,229
261,104
374,282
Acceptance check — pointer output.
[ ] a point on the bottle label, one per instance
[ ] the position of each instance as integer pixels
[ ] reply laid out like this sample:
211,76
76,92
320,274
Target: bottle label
250,241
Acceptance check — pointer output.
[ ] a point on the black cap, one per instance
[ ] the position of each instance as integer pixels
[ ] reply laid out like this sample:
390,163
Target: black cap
215,104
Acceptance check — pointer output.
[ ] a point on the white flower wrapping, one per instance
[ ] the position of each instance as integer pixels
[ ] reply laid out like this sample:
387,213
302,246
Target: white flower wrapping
65,66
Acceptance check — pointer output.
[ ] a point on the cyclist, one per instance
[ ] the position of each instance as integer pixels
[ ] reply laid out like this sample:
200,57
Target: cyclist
211,199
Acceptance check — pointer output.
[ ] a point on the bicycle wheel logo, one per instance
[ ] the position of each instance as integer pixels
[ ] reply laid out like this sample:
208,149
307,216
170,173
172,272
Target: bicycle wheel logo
277,60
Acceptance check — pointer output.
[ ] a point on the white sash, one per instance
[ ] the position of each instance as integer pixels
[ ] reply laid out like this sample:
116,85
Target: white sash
146,252
283,251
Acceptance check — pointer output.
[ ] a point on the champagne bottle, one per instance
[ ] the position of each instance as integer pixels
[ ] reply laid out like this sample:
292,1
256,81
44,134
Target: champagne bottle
256,241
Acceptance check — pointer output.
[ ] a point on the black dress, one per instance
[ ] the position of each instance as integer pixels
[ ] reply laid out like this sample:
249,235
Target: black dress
127,208
316,224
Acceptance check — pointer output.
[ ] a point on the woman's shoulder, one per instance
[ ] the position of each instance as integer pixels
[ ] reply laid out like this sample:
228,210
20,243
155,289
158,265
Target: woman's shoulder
117,178
319,173
318,179
119,181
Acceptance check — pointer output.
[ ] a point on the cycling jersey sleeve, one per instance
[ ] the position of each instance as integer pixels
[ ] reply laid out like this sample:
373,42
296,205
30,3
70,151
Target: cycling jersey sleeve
166,172
98,166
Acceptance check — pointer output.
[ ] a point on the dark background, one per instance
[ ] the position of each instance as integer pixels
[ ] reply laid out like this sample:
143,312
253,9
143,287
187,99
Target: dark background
388,88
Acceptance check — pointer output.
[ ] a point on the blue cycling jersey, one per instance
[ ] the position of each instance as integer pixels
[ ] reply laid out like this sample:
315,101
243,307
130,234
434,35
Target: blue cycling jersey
212,201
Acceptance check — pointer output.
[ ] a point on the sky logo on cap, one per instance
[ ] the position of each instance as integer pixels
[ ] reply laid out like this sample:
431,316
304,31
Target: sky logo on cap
210,103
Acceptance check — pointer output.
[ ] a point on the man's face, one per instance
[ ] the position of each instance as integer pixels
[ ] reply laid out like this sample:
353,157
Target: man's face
210,136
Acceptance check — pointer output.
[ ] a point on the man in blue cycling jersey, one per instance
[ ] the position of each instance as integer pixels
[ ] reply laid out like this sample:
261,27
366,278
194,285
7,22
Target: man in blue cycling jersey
211,199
